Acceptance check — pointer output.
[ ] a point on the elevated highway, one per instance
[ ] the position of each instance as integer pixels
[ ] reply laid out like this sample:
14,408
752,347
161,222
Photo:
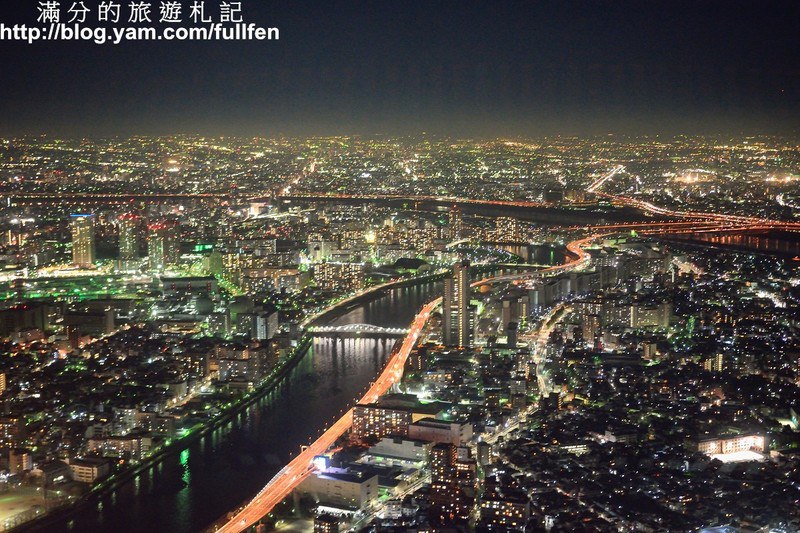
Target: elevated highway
290,476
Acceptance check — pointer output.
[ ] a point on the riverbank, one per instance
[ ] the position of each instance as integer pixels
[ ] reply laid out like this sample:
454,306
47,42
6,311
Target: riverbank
82,512
59,518
300,466
175,446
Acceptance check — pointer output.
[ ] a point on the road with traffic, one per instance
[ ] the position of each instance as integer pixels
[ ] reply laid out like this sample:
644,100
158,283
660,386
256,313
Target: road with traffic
290,476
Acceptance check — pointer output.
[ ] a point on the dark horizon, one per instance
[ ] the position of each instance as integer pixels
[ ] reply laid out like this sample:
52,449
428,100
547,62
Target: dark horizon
789,136
471,69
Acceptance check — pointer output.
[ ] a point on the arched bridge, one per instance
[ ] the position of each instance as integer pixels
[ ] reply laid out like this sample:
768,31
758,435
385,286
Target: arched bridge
356,330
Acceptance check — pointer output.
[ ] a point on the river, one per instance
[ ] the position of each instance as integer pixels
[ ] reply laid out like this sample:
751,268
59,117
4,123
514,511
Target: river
214,475
187,492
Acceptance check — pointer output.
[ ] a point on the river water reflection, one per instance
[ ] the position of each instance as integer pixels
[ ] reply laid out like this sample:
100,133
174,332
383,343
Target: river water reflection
189,491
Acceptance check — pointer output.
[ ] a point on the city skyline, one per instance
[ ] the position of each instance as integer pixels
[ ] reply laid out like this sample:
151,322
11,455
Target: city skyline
509,266
431,307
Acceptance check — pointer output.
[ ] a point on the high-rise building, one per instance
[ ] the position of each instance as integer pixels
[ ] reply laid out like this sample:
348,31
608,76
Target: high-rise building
83,250
508,229
455,307
447,311
511,310
340,276
590,328
19,460
452,494
259,326
455,224
129,235
715,363
511,334
443,460
375,421
163,245
484,453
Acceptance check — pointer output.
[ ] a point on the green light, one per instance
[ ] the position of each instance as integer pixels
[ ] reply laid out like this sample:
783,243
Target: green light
184,460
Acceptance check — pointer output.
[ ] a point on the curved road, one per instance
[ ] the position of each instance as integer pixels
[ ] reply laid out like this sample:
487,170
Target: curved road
290,476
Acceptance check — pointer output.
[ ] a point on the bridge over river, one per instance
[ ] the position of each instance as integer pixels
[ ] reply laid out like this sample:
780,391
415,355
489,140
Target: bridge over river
356,330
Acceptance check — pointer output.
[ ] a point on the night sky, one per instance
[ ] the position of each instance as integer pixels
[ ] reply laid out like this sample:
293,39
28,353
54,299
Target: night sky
462,68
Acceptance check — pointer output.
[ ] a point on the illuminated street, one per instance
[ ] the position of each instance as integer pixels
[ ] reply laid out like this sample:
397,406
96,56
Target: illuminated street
424,266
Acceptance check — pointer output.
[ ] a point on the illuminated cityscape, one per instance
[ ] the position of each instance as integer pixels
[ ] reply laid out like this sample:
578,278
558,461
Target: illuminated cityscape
602,329
409,266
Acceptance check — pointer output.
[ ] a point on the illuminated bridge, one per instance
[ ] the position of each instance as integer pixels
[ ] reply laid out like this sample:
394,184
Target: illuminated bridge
290,476
356,330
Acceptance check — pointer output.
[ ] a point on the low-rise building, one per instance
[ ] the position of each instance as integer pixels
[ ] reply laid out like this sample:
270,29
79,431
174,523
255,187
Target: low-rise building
89,469
441,431
341,488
